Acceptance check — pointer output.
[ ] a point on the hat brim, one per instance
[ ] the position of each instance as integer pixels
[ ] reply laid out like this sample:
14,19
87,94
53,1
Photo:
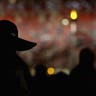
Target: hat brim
22,45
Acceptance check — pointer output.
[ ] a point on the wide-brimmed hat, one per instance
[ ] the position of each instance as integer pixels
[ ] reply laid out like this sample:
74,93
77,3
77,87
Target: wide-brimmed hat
11,29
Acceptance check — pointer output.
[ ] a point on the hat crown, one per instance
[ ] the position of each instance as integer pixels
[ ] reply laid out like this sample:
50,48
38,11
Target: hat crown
9,35
8,28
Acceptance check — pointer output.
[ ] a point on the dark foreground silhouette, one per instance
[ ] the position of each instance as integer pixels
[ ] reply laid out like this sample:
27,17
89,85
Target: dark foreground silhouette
85,70
14,72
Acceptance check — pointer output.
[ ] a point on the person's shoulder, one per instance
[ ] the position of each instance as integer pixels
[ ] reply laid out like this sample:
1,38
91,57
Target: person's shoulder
75,70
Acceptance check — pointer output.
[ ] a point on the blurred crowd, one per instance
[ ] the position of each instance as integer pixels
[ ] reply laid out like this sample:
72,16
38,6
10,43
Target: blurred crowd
39,20
58,56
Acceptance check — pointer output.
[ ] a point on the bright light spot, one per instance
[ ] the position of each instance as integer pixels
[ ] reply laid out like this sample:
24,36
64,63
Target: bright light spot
50,71
73,28
65,21
66,71
73,15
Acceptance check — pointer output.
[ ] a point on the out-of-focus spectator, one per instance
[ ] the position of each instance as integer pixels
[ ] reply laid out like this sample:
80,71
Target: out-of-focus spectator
85,70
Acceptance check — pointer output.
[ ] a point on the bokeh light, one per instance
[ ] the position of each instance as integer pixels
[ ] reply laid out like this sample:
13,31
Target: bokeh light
73,14
50,71
65,21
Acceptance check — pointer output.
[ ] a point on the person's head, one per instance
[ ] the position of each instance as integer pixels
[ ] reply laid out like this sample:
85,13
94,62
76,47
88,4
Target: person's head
41,71
9,38
86,57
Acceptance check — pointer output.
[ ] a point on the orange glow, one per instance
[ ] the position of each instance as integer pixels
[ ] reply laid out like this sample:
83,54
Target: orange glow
50,71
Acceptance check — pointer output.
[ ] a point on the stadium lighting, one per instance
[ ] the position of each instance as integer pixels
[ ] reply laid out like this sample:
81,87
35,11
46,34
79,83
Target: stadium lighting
73,14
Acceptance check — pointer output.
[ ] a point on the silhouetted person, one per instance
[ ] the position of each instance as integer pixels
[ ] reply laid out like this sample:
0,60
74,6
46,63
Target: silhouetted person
41,74
59,82
85,70
61,76
40,80
13,82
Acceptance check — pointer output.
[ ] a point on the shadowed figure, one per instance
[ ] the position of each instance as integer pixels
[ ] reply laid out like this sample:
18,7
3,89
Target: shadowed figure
14,71
59,82
41,75
41,72
61,77
40,80
85,70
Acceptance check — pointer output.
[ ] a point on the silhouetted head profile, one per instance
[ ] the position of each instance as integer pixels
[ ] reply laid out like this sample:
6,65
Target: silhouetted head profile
15,72
86,58
9,37
85,70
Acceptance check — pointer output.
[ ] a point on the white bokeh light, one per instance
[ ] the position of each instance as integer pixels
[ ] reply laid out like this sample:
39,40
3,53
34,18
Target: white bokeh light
65,21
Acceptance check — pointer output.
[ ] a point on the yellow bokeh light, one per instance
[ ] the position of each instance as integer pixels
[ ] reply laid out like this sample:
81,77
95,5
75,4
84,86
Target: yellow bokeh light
73,15
50,71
